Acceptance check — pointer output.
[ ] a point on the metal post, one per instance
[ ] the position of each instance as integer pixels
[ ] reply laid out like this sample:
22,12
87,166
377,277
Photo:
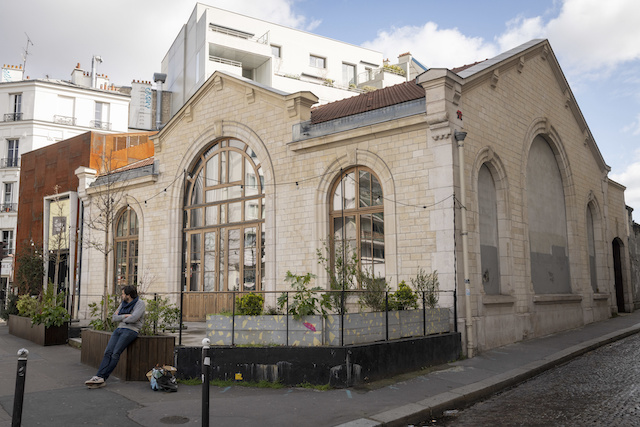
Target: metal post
287,318
386,314
233,318
455,310
424,316
18,397
206,364
180,332
155,321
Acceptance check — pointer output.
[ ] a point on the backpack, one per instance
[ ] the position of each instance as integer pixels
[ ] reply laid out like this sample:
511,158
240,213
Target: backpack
162,378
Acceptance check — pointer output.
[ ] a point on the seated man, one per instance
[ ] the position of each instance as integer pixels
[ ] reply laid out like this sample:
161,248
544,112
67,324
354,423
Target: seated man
130,314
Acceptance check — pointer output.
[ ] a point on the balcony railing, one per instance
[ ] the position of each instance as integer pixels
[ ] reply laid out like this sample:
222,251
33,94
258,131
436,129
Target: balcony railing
8,207
100,125
263,39
64,120
12,117
225,61
10,162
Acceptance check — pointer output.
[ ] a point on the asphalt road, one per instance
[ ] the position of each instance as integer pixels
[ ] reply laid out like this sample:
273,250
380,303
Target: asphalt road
600,388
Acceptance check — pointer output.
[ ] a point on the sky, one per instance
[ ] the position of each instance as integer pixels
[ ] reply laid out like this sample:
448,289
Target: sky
597,44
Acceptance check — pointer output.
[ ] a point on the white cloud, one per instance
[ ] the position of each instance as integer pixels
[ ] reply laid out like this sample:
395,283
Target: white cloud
634,127
277,11
520,30
434,47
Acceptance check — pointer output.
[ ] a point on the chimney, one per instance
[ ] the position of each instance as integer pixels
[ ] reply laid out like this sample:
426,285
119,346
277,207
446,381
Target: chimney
12,73
159,78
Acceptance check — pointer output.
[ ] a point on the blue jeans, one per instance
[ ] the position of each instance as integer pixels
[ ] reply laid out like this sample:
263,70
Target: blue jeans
119,341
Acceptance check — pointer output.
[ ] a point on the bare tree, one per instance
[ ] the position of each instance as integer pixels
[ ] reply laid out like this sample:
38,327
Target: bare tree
104,202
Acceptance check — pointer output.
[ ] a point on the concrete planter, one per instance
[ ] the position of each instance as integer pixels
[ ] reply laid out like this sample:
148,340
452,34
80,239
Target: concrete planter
264,330
359,328
22,327
142,355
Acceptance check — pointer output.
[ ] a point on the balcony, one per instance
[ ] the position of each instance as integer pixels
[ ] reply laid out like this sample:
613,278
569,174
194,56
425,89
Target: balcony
10,162
64,120
12,117
100,125
8,207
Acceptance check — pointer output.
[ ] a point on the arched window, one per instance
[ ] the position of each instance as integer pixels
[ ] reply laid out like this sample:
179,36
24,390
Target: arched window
548,241
489,248
357,219
224,220
126,240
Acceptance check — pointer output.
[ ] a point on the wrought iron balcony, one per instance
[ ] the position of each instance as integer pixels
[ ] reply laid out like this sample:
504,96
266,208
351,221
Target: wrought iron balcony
8,207
12,117
100,125
10,162
64,120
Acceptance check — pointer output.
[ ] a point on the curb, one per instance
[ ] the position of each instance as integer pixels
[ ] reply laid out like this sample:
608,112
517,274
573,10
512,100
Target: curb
464,396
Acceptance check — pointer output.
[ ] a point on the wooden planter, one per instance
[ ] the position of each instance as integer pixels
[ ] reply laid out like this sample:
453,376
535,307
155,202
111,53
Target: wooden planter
22,327
138,359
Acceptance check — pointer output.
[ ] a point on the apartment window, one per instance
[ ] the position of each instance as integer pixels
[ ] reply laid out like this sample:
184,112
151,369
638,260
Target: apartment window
317,61
102,116
15,112
276,51
127,248
7,239
12,153
8,194
349,74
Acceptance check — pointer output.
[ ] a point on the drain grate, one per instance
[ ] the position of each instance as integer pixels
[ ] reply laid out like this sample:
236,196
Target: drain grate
174,419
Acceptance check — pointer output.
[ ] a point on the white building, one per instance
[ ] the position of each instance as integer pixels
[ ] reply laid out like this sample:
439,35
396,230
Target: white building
273,55
40,112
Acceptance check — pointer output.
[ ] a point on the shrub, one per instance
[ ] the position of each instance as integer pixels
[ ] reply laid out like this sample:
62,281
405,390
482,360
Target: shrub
342,272
374,291
95,313
161,315
11,308
305,301
250,304
27,305
404,298
50,310
429,285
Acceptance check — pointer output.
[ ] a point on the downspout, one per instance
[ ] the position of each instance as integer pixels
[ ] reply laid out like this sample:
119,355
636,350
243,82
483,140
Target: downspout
79,261
460,136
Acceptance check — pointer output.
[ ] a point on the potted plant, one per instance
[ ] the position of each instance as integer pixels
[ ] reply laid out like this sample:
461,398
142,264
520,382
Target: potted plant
42,319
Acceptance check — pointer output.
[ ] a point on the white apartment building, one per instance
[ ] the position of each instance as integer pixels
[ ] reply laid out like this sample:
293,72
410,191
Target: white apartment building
36,113
273,55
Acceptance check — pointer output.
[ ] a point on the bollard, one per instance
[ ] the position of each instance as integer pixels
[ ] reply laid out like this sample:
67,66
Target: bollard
206,363
18,396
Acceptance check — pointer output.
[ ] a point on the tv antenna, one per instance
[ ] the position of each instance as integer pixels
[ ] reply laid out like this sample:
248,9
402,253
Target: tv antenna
26,53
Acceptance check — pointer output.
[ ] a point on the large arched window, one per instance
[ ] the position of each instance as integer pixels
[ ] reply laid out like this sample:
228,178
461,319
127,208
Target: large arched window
224,220
357,219
489,248
126,240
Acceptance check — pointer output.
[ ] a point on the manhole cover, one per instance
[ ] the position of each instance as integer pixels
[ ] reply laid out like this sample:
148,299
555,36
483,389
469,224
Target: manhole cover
174,419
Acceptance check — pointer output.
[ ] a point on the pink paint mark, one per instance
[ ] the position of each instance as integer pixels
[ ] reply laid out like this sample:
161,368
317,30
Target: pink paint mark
309,326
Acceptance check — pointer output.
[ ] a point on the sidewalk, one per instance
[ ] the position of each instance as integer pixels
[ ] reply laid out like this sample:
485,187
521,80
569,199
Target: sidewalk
55,394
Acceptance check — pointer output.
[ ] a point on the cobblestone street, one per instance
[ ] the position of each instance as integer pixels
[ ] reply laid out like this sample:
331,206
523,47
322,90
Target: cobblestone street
600,388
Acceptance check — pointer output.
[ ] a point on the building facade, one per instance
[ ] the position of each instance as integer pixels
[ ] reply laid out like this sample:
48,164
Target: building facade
488,175
272,55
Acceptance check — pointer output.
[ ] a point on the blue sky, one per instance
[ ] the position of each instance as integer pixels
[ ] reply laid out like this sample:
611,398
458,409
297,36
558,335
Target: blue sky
597,44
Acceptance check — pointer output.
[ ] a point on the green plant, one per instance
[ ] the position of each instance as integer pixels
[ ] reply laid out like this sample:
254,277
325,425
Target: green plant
11,307
29,270
404,298
342,272
328,82
428,285
250,304
394,69
27,305
374,291
97,318
305,301
50,310
366,89
161,315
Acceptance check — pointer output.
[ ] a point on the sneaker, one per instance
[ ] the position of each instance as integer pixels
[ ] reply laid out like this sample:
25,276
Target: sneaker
95,380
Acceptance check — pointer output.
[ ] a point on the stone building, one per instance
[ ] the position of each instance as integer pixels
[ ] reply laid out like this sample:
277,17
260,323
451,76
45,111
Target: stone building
487,173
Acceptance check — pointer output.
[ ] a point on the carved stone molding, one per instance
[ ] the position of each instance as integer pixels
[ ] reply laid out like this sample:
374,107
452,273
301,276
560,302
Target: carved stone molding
292,107
494,78
521,64
545,53
567,98
188,114
217,83
250,94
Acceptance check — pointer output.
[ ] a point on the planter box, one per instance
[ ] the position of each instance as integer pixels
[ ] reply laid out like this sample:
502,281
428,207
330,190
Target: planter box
359,328
264,330
138,359
23,328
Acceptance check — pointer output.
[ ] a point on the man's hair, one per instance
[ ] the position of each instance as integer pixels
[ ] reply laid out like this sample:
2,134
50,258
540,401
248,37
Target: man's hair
131,291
